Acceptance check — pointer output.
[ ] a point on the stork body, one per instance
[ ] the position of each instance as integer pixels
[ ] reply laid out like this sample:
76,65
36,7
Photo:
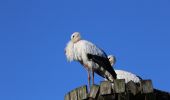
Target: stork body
122,74
85,52
128,76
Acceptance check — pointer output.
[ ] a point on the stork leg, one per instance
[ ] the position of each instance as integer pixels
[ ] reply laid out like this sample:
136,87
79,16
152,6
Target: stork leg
88,71
92,77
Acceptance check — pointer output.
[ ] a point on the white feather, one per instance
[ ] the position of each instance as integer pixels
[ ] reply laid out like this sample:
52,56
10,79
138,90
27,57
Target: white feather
78,51
69,51
85,47
128,76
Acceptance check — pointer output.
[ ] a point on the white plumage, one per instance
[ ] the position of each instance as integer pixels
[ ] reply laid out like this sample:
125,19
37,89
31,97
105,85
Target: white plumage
122,74
128,76
77,50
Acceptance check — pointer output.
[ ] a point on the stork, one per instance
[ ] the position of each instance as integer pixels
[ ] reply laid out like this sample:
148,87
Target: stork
122,74
90,56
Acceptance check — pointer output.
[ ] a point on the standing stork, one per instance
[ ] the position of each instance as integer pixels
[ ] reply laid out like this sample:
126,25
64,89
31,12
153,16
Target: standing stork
90,56
122,74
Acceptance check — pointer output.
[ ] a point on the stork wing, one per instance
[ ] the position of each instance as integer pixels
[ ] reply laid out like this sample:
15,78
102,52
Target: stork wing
104,62
86,47
139,77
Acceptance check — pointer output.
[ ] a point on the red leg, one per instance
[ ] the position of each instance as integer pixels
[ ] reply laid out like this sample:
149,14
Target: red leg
92,77
89,78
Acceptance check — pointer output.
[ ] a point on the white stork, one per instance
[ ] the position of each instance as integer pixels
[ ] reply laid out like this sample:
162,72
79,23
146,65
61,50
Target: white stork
122,74
90,56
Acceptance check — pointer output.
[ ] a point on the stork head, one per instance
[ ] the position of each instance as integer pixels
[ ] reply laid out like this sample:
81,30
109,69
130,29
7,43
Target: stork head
75,37
112,59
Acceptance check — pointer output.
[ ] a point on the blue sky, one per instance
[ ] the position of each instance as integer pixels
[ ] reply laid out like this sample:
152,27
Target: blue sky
33,35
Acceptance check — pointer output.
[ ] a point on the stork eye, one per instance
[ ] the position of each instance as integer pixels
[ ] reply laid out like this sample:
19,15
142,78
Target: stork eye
73,36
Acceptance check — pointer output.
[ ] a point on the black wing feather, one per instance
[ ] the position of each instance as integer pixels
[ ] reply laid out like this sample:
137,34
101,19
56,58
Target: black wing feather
104,62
